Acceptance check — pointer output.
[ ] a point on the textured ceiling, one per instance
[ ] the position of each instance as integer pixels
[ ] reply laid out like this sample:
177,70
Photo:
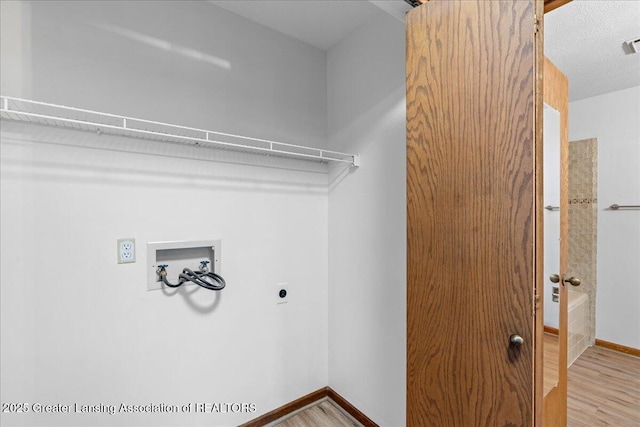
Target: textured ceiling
584,38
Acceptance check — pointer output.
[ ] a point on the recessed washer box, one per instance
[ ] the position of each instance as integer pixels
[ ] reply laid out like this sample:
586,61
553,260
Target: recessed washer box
179,255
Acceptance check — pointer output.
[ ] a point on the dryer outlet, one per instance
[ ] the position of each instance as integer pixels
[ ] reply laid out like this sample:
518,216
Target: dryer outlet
281,293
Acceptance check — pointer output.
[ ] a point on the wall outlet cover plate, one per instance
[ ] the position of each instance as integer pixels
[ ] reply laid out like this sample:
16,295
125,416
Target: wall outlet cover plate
126,250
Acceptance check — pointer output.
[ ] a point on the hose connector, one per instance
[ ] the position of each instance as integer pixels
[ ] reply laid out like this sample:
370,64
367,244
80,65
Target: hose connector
161,271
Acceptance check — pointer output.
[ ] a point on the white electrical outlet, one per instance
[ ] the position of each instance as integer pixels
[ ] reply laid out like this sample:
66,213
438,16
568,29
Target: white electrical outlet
126,250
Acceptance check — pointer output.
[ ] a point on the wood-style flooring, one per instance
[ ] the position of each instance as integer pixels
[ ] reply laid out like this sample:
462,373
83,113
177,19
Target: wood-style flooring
324,414
603,390
550,361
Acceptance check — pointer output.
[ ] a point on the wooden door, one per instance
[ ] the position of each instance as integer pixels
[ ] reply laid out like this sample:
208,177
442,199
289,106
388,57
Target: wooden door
473,212
556,95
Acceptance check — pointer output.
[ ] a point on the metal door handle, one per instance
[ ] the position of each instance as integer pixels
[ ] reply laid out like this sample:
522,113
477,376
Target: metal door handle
573,280
516,340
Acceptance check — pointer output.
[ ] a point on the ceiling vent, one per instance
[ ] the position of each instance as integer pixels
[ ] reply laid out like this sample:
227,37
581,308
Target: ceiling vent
633,46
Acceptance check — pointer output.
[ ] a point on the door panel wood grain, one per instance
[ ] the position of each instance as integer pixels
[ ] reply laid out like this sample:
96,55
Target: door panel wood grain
472,188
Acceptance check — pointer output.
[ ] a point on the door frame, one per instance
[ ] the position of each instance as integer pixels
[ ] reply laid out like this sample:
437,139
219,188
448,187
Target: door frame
556,95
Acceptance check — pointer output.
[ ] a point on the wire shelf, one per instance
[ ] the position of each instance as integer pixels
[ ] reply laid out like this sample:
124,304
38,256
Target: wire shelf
43,113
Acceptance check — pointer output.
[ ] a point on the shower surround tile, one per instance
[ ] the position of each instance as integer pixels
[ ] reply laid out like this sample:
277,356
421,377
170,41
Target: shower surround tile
583,222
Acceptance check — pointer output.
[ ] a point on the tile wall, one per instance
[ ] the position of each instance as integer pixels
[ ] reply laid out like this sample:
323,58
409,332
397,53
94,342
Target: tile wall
583,233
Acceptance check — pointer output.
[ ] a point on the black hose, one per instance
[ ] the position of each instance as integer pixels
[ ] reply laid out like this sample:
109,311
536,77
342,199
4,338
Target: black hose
171,285
198,277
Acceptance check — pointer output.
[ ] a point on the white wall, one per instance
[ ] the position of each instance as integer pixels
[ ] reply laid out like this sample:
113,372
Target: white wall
367,221
613,119
79,328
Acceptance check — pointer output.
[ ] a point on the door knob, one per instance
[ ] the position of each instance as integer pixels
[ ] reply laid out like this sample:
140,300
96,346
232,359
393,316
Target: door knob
516,340
573,280
554,278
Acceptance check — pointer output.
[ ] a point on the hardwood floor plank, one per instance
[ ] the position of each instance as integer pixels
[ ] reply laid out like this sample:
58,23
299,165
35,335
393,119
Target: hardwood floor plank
604,389
550,360
324,414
